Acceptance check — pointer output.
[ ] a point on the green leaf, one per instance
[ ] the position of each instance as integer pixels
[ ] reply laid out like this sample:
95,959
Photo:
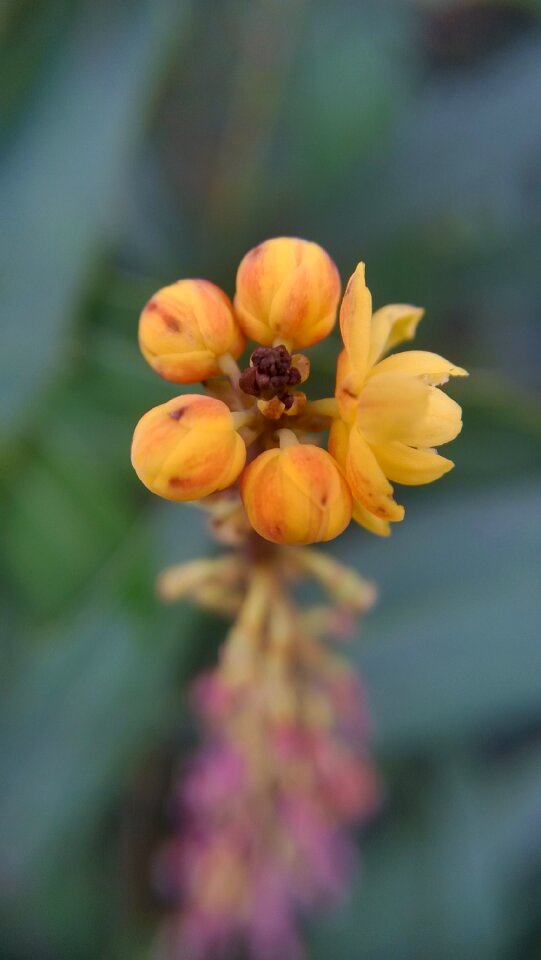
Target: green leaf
60,192
93,689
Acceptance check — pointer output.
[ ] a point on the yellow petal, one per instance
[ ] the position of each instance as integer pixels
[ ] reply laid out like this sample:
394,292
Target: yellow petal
355,317
390,405
367,481
348,387
403,464
339,442
392,325
440,423
364,518
430,367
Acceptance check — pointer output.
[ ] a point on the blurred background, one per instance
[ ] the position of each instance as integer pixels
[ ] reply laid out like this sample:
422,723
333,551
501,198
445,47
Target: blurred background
147,140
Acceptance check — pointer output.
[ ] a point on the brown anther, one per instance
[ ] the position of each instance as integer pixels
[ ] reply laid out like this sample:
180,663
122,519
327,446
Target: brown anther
272,374
271,409
297,405
302,364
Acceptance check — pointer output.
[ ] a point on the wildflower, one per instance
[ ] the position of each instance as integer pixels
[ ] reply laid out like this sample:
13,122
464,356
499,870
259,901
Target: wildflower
296,494
188,448
387,417
391,412
287,292
186,328
284,770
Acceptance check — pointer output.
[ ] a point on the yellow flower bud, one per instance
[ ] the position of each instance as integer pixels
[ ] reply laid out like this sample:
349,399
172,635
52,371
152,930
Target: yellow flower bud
185,327
287,291
187,448
296,494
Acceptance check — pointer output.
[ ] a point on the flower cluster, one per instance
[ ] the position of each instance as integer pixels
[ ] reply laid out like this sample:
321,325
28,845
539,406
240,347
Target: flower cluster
253,431
283,771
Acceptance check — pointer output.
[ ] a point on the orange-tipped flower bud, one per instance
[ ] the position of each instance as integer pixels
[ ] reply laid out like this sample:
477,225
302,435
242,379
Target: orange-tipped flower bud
187,448
287,291
185,327
296,494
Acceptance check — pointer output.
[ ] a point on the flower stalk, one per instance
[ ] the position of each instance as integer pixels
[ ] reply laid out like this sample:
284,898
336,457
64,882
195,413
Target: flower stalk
283,771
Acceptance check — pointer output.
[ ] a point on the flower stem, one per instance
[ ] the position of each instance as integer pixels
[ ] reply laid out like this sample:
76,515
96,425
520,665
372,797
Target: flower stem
258,596
287,438
326,408
229,366
251,434
342,583
243,418
242,646
178,581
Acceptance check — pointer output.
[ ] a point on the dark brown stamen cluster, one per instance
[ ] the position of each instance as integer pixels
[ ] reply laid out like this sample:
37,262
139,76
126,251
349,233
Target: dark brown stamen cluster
270,374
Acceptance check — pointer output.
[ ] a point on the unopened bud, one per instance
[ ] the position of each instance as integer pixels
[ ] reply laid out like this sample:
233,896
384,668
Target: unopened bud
287,290
185,328
296,494
188,448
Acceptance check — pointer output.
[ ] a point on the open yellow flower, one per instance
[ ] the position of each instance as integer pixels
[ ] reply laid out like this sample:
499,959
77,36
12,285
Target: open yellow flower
392,413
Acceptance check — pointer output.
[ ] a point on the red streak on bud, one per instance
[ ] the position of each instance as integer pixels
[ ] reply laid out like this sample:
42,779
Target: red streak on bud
177,414
170,322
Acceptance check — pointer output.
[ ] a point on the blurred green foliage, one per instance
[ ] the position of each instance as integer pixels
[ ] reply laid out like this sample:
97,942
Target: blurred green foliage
152,139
